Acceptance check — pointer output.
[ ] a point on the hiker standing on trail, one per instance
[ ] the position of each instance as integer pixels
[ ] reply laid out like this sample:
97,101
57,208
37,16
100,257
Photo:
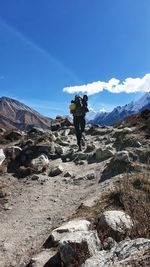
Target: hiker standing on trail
79,108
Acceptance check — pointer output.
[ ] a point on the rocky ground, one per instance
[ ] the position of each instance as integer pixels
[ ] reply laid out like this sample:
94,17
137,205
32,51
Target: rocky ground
62,207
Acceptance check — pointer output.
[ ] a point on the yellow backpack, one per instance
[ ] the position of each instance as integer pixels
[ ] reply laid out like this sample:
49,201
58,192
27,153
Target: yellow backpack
72,107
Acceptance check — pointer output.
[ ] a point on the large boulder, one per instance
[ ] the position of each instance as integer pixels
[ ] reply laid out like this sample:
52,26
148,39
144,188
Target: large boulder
69,227
88,242
127,253
114,222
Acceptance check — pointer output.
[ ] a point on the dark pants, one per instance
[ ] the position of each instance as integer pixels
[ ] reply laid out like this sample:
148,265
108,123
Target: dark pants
79,124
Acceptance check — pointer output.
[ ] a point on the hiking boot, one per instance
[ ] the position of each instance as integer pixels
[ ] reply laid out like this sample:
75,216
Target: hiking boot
83,142
83,136
79,149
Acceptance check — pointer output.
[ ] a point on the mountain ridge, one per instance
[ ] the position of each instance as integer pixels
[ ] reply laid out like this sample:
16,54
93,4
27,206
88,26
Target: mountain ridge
121,112
14,114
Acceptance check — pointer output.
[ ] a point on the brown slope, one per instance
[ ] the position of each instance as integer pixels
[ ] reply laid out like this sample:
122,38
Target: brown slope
14,114
140,120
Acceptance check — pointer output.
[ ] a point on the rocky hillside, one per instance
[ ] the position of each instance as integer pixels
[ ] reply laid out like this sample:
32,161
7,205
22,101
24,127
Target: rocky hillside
61,207
14,114
121,112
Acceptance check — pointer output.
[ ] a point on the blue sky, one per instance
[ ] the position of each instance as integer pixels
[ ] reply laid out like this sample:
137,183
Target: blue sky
49,48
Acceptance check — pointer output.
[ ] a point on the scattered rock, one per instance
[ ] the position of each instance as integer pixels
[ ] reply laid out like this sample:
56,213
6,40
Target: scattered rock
14,136
59,150
56,170
67,174
103,154
13,151
91,176
118,165
40,162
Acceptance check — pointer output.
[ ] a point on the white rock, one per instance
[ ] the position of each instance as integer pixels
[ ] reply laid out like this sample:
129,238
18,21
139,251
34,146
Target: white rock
40,162
70,227
90,237
122,156
126,248
2,156
117,220
120,255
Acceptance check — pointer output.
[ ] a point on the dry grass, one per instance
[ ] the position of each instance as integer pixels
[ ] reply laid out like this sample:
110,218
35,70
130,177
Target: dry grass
133,196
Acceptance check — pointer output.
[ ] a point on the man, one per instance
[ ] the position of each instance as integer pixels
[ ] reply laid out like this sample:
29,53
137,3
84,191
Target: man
79,109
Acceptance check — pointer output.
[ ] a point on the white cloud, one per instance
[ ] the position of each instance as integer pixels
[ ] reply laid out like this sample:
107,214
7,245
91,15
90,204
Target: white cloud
102,110
129,85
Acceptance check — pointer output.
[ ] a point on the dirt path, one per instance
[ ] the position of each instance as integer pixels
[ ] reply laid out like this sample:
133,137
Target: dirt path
35,208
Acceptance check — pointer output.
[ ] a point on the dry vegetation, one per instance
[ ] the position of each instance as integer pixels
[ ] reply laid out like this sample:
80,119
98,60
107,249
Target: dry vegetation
132,195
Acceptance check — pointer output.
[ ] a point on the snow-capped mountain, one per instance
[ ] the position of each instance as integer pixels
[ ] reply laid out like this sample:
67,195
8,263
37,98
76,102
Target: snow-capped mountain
119,113
14,114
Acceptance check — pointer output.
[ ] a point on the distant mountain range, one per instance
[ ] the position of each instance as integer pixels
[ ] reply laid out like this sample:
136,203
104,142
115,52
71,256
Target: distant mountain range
119,113
14,114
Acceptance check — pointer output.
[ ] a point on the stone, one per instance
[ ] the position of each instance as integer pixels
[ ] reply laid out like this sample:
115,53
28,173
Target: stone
91,176
14,136
99,259
143,155
34,177
122,156
125,253
13,151
23,172
56,170
89,148
103,154
67,174
59,150
40,162
2,130
46,148
115,220
127,248
42,258
125,141
66,132
2,156
69,227
109,243
89,237
119,164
